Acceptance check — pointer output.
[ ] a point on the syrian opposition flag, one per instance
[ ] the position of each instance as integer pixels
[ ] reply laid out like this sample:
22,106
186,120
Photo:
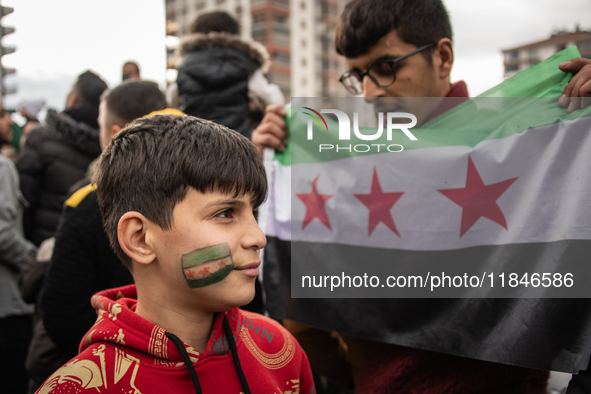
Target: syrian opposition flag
492,188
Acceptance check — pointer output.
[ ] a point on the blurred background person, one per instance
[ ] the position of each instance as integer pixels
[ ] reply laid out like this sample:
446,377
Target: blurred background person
221,73
15,315
30,110
57,155
131,72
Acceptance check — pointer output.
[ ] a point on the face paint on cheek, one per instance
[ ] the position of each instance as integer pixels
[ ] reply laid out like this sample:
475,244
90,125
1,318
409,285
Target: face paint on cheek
207,266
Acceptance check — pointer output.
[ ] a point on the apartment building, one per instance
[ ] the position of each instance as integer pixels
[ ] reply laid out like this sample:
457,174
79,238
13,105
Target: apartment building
520,58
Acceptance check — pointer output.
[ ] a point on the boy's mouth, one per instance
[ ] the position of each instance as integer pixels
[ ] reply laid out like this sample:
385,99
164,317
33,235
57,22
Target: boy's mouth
251,269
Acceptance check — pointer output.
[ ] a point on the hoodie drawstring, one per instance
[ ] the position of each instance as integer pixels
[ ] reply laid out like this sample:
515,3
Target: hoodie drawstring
189,364
234,351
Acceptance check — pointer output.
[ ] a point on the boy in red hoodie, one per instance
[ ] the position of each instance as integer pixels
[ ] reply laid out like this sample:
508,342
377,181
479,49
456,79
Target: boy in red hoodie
178,195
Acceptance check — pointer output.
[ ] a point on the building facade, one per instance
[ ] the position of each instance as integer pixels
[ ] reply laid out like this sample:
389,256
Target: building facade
298,34
520,58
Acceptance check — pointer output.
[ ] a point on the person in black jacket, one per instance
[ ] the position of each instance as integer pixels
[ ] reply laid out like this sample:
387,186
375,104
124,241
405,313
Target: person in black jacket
57,155
221,72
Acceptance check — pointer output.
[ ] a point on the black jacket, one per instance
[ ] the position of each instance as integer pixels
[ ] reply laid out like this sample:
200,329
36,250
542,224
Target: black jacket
213,78
55,156
82,264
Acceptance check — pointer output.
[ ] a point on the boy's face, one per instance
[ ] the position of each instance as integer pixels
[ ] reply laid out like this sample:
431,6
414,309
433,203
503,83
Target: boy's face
205,224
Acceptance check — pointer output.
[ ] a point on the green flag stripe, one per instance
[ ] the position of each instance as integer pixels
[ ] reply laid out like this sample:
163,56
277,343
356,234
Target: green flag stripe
463,125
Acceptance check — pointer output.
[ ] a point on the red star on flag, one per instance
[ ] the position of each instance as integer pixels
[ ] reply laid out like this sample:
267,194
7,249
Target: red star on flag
205,270
190,274
315,206
478,200
379,205
222,264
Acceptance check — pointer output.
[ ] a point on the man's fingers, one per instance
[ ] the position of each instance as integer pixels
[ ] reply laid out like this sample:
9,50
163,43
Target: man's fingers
576,93
574,65
277,109
269,134
272,132
581,89
586,94
575,101
567,92
261,141
270,128
575,104
273,118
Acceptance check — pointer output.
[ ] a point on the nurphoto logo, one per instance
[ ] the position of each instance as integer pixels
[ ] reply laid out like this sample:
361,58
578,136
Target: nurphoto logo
345,130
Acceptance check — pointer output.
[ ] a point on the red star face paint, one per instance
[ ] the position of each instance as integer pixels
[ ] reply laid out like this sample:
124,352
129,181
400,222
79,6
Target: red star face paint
207,266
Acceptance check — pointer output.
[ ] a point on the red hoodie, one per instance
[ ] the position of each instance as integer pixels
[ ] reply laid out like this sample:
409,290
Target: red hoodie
125,353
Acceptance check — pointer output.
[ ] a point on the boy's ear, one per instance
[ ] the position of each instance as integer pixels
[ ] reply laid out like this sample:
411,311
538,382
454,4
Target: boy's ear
445,52
133,234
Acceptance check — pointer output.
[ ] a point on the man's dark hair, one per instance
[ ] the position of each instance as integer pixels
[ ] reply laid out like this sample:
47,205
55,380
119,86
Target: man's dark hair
217,21
88,88
151,164
364,22
132,100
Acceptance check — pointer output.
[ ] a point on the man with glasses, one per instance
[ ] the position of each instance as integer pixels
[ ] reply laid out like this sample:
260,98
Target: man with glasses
397,48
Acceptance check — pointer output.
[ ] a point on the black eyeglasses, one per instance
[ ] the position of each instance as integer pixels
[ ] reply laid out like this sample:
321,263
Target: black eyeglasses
381,72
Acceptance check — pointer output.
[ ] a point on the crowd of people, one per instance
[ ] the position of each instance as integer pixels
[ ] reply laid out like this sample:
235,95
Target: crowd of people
143,201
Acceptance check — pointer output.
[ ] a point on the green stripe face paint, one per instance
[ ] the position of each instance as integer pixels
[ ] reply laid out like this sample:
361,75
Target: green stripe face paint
207,266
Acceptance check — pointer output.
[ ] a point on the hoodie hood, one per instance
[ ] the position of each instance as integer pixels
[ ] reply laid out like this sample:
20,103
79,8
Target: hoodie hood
253,49
118,323
78,134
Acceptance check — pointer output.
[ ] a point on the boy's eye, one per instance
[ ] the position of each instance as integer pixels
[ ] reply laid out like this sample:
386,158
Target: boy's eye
226,214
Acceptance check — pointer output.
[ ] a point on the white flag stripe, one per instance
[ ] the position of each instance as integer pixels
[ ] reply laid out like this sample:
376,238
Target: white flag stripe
551,199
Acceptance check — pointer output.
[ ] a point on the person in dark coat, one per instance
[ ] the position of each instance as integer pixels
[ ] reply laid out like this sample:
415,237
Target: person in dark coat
221,72
57,155
15,315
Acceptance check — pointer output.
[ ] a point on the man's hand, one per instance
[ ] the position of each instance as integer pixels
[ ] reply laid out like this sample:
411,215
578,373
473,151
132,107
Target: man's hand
272,132
577,94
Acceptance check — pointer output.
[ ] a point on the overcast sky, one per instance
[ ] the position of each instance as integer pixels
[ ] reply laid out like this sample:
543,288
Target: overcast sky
58,39
483,28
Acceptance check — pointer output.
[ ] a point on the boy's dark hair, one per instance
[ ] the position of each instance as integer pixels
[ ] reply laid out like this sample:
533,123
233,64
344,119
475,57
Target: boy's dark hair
364,22
217,21
88,88
132,100
151,164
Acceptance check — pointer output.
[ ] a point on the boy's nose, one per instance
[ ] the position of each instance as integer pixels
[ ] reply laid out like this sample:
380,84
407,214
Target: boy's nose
254,238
